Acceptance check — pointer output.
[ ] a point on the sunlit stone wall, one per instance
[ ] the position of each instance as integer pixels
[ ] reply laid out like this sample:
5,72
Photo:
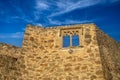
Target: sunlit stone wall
46,59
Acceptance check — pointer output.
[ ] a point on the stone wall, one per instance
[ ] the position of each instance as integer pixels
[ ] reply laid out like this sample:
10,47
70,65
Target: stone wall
110,55
10,50
46,59
11,62
8,68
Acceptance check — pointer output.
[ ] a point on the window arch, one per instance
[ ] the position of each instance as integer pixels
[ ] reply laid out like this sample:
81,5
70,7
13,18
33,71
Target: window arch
66,41
75,40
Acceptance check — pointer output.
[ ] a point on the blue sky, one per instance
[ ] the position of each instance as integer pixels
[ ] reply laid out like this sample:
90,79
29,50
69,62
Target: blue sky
16,14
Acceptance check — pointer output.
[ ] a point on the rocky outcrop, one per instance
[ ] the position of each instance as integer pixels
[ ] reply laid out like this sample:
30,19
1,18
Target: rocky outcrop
11,62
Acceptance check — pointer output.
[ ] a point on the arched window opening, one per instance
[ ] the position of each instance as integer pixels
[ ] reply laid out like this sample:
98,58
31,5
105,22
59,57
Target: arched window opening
75,40
66,41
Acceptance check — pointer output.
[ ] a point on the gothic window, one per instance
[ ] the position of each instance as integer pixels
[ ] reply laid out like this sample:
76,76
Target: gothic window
70,38
66,41
75,40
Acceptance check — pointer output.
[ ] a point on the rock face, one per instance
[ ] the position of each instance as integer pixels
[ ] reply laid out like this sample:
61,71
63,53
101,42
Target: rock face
43,57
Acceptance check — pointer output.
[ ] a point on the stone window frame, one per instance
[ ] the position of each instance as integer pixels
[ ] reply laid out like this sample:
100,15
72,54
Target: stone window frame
71,32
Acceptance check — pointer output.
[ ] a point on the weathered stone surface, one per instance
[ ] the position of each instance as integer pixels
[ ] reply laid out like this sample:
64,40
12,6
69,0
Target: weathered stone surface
110,55
42,56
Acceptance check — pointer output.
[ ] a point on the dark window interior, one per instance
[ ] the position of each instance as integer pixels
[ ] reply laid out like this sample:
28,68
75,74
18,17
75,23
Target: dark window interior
66,41
75,40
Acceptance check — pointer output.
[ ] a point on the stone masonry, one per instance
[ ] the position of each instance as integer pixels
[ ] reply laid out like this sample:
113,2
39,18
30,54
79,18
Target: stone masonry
43,57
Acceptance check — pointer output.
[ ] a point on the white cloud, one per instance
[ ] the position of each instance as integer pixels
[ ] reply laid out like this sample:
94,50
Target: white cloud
70,21
12,35
38,24
69,5
54,21
41,5
25,18
14,19
55,7
76,21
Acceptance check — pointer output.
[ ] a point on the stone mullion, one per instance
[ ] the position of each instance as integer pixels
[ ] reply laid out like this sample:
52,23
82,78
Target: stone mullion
61,39
62,35
81,37
70,40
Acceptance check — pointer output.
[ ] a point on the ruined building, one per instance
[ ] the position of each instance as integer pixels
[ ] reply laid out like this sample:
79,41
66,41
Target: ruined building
45,55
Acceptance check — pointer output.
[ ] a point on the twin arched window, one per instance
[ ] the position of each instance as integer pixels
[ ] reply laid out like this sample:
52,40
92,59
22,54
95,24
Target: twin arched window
75,41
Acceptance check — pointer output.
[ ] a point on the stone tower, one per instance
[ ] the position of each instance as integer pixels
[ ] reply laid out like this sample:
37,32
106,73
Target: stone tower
43,56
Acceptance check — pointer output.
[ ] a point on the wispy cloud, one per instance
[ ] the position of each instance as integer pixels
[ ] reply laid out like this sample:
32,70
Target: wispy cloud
50,9
55,22
18,14
41,5
37,24
11,17
65,7
18,19
70,21
59,7
12,35
70,5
